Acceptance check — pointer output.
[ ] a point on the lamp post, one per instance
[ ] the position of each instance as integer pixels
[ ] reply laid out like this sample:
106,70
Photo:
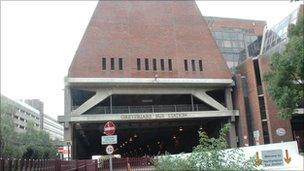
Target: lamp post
69,144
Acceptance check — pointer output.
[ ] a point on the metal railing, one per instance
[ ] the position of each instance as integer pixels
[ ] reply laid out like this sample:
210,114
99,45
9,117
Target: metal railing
145,109
48,165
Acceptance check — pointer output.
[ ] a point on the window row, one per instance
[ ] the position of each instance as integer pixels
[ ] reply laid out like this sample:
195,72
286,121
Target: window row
193,64
113,61
155,64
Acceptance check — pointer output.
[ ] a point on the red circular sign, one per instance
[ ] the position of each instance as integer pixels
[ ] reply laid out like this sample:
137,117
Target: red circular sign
109,128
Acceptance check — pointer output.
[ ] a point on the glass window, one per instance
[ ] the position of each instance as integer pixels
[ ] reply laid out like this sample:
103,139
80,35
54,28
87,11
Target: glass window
240,36
193,65
200,64
226,36
162,64
154,65
170,64
227,43
112,64
104,64
234,36
186,64
120,63
138,64
219,43
218,35
147,64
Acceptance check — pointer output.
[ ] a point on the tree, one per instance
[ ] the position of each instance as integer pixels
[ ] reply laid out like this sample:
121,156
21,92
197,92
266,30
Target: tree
210,154
33,144
9,144
37,144
285,78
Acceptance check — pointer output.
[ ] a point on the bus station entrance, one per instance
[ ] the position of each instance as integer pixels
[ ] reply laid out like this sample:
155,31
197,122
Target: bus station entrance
145,138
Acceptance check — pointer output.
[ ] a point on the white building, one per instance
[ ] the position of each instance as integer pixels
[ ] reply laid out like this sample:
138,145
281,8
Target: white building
54,129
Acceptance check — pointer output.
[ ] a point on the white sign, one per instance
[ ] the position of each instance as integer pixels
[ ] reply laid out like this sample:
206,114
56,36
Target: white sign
109,149
256,134
272,158
110,139
281,131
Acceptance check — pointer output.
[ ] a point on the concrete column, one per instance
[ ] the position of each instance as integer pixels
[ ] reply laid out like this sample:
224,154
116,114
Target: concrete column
192,102
228,99
67,104
232,134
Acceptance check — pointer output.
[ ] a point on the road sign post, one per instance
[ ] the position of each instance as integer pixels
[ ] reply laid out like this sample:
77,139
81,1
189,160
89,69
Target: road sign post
110,150
109,129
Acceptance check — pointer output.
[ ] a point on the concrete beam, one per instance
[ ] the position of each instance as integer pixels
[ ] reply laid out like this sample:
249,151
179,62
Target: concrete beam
98,97
202,95
152,116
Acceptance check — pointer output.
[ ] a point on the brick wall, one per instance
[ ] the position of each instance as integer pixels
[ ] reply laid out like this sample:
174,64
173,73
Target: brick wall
247,70
148,29
274,122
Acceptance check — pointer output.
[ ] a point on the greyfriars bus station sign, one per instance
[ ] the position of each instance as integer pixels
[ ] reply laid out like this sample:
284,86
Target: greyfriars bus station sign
152,116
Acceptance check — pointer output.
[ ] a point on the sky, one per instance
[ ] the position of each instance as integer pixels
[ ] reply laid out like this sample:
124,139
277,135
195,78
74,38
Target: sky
40,38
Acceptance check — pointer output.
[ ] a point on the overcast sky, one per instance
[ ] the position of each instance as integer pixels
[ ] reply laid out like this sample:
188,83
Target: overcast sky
39,40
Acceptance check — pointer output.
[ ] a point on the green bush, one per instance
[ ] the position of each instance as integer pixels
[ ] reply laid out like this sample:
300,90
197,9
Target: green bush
210,154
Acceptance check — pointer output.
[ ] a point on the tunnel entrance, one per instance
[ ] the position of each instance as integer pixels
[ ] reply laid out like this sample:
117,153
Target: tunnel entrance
145,138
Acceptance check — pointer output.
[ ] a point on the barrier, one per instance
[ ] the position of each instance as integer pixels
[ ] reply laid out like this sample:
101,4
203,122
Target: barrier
48,165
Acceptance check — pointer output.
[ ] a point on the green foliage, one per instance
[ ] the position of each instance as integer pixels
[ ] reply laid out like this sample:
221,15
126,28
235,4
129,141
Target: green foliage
33,144
210,154
174,163
285,79
9,139
37,144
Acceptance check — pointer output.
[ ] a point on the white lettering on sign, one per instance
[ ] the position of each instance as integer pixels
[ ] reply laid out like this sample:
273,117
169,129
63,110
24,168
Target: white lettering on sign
272,158
109,149
281,131
110,139
153,116
109,128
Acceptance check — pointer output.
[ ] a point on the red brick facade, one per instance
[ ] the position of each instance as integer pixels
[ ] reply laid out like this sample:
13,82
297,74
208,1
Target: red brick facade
274,122
239,105
247,69
148,29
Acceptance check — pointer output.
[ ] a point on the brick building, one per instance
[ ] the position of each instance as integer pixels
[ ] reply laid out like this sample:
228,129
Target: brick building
258,119
234,35
154,69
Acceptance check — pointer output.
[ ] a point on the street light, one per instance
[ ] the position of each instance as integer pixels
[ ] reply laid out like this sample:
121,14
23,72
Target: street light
69,143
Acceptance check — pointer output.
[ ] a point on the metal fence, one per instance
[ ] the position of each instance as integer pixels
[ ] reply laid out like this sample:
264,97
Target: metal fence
129,164
47,165
146,109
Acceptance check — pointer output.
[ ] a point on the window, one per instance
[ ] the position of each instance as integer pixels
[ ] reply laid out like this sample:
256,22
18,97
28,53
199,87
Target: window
193,65
120,63
227,43
200,64
170,64
162,64
186,64
112,64
138,64
154,65
104,64
147,64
